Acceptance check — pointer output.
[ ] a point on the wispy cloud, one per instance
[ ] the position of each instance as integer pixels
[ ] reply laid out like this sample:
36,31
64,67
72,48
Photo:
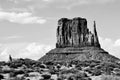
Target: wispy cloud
113,47
90,1
26,50
68,4
117,43
11,37
16,1
21,18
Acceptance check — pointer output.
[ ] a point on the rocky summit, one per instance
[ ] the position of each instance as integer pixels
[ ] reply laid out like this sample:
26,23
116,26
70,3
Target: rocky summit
76,42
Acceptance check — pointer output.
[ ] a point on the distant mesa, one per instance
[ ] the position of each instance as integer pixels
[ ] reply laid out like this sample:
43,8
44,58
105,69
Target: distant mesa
76,42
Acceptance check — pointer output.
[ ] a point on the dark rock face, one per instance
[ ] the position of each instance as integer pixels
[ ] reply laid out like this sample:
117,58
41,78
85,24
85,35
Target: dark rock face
74,33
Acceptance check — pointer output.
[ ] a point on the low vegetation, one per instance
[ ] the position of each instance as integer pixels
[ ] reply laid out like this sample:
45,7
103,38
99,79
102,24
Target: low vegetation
26,69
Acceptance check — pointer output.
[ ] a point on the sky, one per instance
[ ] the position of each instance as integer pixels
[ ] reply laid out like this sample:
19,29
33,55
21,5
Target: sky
28,27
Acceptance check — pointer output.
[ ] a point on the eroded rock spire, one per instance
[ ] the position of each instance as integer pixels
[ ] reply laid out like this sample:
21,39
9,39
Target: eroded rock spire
96,40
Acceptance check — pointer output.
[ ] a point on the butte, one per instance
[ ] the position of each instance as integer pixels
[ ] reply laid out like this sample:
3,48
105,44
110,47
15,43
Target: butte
76,42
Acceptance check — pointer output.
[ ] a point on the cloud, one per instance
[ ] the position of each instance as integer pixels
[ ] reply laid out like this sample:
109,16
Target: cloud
48,0
21,18
17,1
90,1
36,51
112,46
68,4
30,50
117,43
37,5
11,37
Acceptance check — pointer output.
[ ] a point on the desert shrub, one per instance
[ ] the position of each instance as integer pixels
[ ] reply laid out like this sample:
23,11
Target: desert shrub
42,66
89,71
7,71
15,73
52,72
2,63
109,64
1,77
74,62
94,61
15,65
83,64
72,78
60,62
49,63
1,70
19,72
81,75
74,71
58,67
26,75
59,79
37,64
109,77
79,68
116,71
12,74
93,65
98,67
96,72
73,75
27,62
107,67
108,70
46,76
16,78
85,78
117,74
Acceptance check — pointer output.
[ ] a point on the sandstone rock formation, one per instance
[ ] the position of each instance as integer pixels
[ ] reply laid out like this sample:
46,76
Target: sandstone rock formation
74,33
76,42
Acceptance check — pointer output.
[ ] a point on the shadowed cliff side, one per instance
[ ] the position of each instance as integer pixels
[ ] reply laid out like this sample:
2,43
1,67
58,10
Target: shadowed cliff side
74,33
76,42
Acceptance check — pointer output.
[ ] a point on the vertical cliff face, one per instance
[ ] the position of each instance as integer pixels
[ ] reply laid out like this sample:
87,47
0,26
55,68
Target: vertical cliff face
74,33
